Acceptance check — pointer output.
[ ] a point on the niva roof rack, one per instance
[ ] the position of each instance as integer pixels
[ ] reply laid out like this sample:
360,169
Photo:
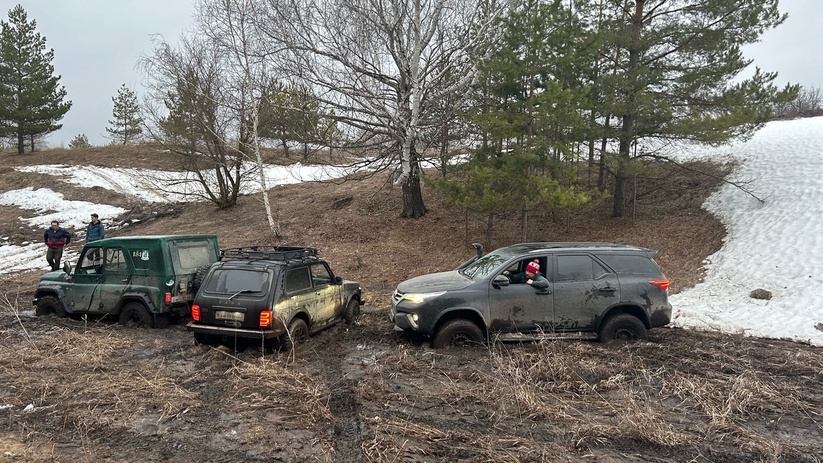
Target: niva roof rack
280,253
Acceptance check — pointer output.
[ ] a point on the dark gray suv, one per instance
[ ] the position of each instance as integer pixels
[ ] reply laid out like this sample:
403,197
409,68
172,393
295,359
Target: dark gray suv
603,291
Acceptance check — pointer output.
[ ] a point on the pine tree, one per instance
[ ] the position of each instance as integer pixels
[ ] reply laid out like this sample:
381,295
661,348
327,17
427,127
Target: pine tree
31,102
127,123
674,76
80,141
528,114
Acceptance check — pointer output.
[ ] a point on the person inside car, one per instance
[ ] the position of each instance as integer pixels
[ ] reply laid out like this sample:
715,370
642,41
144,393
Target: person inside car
531,275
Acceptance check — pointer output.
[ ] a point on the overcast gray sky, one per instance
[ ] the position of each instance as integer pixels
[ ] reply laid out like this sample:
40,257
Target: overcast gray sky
97,44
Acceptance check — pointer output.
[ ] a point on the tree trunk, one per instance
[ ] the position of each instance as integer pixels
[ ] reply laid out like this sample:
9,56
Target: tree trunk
413,206
489,228
601,171
619,206
629,119
524,224
21,143
285,147
624,156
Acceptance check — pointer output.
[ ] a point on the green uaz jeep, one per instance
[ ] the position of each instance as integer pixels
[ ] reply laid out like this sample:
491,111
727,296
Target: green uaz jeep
141,280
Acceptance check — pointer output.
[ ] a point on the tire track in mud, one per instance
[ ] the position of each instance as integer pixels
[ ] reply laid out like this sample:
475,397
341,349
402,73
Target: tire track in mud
343,402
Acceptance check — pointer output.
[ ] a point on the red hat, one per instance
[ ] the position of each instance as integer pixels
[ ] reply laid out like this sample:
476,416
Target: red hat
533,266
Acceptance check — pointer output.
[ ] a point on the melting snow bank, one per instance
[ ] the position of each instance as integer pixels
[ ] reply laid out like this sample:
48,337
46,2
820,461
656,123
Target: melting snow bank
776,245
159,186
50,205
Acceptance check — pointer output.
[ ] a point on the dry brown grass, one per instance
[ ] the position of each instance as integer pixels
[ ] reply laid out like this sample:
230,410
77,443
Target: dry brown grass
594,398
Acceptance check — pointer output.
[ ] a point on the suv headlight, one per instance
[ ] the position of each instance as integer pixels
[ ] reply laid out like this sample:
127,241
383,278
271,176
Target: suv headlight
419,298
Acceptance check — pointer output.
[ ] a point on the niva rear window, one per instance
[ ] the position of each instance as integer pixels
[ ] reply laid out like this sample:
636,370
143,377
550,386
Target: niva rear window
235,280
630,264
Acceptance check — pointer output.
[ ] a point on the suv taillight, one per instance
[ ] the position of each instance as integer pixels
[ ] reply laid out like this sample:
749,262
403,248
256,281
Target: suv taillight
168,298
265,318
662,284
195,312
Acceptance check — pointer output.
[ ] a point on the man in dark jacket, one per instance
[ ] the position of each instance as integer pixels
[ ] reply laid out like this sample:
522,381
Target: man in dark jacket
95,231
56,239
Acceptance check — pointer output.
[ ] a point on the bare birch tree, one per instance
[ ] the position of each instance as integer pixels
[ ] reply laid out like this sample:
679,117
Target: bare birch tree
381,66
230,27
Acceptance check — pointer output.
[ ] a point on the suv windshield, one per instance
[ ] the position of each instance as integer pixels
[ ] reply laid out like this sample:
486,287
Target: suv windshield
231,281
485,266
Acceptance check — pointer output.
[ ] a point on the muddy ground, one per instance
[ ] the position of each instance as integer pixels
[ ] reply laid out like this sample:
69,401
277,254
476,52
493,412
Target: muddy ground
88,390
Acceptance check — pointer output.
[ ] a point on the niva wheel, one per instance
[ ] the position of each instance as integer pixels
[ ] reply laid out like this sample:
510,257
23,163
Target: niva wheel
352,311
298,332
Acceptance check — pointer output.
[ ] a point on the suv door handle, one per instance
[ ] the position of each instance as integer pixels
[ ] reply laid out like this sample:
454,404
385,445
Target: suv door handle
608,289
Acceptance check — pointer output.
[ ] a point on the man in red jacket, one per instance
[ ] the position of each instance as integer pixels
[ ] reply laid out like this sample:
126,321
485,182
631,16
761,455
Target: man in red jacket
56,239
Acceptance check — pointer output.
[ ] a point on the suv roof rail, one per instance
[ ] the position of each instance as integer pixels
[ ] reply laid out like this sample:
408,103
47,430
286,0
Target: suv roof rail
279,253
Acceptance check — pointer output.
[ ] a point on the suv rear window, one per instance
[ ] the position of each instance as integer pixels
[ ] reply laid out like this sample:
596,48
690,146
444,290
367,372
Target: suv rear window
229,281
630,264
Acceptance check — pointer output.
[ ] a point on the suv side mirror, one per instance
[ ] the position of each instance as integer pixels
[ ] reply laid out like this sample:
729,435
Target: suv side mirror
67,268
500,280
338,280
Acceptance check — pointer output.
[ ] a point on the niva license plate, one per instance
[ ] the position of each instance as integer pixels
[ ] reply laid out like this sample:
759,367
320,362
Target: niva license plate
224,315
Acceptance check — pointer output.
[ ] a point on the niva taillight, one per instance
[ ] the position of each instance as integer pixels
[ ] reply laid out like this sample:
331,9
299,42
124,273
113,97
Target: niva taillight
265,318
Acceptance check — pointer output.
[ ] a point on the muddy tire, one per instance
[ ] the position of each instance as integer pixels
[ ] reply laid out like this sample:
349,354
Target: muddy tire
135,315
352,311
298,332
49,304
457,333
622,328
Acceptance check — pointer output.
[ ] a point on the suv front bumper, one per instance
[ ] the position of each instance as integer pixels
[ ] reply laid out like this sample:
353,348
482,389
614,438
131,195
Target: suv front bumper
404,321
229,332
